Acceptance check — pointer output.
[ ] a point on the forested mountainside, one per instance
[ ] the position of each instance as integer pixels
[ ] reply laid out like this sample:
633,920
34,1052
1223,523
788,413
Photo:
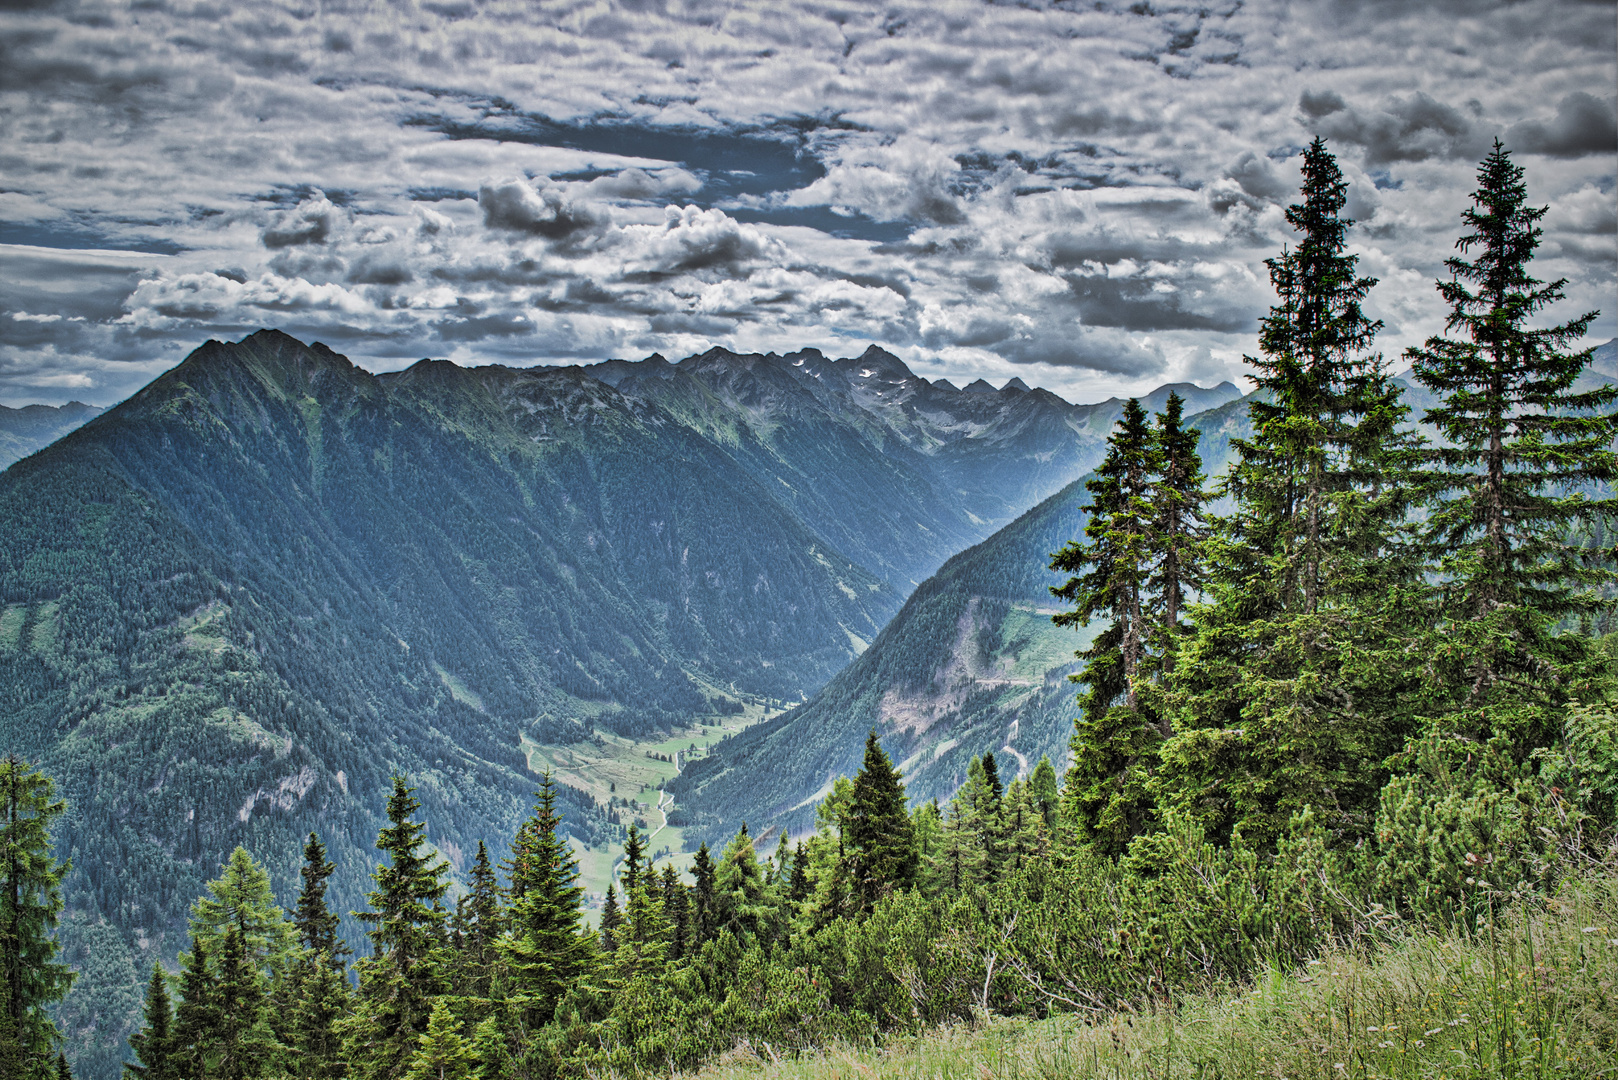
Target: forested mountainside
33,427
971,664
236,603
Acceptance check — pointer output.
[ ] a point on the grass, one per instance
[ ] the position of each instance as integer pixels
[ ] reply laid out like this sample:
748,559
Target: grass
1532,994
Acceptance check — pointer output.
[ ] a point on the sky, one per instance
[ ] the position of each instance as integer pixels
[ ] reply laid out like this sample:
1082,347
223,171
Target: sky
1081,195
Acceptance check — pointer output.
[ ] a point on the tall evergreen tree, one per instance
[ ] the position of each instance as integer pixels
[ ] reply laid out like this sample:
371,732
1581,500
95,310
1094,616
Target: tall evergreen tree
612,917
740,903
153,1043
879,851
242,1044
404,973
1177,530
1110,573
318,988
241,897
704,918
443,1053
197,1017
547,949
480,922
677,908
1289,694
31,978
1522,443
634,851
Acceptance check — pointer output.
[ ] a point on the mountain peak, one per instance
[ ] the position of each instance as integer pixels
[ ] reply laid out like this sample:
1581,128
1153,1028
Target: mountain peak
878,361
979,386
1016,384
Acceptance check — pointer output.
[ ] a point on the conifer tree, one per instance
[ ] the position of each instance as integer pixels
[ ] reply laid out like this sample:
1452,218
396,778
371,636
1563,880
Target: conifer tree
443,1054
967,832
1521,442
611,919
879,852
242,1044
153,1043
1290,694
703,916
740,903
547,949
799,886
1177,531
1109,575
1044,790
399,980
634,851
31,978
677,909
198,1015
1114,741
62,1070
480,922
319,990
241,896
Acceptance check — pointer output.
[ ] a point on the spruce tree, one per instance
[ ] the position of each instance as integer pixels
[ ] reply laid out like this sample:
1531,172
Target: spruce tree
443,1054
243,1045
546,949
31,978
1290,692
740,903
703,916
197,1017
879,852
153,1043
634,851
479,923
1110,573
1044,790
404,973
319,990
677,908
241,896
1177,531
1522,444
611,919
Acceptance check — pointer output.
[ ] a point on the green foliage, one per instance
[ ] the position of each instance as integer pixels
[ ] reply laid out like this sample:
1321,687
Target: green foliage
32,978
879,850
546,949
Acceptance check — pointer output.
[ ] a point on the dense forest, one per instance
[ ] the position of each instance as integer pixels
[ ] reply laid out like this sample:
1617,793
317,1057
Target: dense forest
1380,688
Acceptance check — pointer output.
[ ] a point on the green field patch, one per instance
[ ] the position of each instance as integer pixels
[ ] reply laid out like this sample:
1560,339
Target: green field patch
43,638
1031,645
458,689
11,620
204,630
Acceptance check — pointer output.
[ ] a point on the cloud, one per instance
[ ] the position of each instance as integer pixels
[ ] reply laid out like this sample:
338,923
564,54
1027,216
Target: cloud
1412,128
516,206
312,222
1582,125
692,239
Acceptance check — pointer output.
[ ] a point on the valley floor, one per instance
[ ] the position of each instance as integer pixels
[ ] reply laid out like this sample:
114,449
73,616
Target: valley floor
1533,996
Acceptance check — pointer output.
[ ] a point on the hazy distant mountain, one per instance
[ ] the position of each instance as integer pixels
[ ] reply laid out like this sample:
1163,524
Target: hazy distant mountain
33,427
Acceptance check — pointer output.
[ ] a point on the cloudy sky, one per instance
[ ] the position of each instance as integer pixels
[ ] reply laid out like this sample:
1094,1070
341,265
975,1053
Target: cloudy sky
1078,194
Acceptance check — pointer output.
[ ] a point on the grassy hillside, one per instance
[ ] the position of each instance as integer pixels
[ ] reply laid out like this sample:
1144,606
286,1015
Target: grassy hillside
1528,995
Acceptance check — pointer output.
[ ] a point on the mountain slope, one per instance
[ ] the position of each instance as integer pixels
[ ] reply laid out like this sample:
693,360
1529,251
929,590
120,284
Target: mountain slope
971,663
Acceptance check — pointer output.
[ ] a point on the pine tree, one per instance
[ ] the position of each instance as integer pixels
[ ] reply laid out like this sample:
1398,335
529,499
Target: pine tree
1177,531
399,980
1522,442
879,851
153,1043
31,977
319,990
546,949
479,924
611,919
967,831
1111,572
62,1070
197,1017
703,916
1290,691
799,887
443,1053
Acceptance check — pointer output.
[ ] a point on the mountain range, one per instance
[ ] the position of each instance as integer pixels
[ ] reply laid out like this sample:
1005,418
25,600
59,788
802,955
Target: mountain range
236,603
34,427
